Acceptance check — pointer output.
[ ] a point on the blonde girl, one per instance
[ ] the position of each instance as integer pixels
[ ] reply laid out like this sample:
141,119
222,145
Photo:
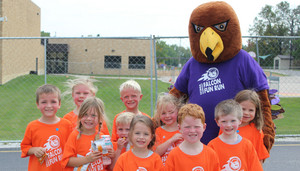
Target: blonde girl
80,89
167,133
140,157
252,121
78,153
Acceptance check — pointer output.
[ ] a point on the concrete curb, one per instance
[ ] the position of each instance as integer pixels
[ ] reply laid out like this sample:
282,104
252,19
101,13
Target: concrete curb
278,139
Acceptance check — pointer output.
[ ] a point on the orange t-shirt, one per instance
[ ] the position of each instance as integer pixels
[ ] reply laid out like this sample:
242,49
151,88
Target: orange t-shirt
256,137
128,161
161,137
114,136
207,159
240,156
72,117
126,148
79,148
52,137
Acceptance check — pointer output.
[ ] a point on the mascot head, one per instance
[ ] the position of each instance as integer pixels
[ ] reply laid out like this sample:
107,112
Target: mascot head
214,32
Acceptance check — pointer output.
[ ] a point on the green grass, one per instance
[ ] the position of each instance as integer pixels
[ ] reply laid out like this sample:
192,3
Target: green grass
18,108
290,124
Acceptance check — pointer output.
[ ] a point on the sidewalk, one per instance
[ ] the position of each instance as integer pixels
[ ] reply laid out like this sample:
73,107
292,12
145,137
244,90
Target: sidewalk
280,139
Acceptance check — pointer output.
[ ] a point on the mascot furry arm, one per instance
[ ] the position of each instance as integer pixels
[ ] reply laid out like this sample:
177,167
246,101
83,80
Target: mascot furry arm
219,68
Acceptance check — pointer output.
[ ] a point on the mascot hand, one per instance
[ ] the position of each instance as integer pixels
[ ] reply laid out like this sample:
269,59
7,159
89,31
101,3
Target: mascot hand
177,93
268,142
269,128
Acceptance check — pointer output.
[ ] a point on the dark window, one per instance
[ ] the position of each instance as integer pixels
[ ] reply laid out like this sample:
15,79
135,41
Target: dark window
137,62
57,58
112,62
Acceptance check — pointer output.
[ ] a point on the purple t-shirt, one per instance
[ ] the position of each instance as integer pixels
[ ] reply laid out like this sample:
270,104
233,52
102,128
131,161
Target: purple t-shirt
209,84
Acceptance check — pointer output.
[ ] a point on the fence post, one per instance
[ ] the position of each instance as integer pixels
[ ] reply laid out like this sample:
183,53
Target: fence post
291,52
155,65
151,65
257,52
45,53
37,65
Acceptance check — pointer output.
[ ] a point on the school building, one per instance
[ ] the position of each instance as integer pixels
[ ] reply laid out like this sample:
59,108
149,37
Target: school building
19,18
21,56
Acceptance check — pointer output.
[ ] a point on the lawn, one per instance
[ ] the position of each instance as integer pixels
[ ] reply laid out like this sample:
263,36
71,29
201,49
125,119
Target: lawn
18,108
290,124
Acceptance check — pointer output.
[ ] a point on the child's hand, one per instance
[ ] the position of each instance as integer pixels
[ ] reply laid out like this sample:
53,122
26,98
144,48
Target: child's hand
38,151
177,137
93,156
111,152
122,143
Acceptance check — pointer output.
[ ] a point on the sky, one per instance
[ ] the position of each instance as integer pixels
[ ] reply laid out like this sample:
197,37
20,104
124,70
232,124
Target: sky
134,18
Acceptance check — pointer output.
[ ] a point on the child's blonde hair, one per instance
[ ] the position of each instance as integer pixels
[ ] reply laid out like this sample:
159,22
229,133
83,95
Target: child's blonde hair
163,100
47,89
228,107
72,83
130,84
124,118
91,103
253,97
192,110
148,122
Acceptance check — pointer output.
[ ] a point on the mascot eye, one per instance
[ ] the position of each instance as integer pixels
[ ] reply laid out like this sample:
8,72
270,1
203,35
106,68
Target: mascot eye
221,26
197,28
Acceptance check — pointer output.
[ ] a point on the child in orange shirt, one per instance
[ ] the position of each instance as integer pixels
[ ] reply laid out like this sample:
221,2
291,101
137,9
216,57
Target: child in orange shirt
123,127
252,121
80,89
167,134
140,157
234,151
131,94
78,153
191,154
45,138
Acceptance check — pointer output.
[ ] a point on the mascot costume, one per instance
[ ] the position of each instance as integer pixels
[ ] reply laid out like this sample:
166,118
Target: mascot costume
219,68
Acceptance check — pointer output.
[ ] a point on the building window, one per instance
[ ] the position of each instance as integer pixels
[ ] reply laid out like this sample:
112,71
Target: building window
137,62
112,62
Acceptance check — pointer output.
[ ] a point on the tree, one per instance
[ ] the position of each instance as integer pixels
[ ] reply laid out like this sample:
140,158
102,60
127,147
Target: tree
280,20
171,55
45,34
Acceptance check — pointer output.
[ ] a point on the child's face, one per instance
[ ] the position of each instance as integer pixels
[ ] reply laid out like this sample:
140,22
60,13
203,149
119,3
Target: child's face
89,121
80,93
131,98
249,110
123,130
141,136
48,104
169,115
228,124
192,129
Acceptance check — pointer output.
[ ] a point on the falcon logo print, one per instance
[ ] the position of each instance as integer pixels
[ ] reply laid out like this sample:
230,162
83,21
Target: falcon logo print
211,73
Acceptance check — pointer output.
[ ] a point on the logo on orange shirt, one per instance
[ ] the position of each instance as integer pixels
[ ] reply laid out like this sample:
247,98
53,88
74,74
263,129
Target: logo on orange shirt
198,168
141,169
53,143
234,163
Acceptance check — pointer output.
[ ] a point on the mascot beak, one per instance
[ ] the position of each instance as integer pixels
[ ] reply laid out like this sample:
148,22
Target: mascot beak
211,44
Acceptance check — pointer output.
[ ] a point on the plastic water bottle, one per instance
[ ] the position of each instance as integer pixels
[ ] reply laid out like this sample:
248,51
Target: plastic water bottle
107,144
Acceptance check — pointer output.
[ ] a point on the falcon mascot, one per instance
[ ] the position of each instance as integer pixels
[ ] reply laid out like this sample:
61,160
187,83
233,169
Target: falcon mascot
220,68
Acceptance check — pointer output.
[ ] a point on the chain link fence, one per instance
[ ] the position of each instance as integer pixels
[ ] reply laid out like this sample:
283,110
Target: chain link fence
112,61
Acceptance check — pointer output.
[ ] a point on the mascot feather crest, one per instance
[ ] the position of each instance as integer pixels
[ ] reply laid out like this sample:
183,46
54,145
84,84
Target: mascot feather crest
220,35
220,68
